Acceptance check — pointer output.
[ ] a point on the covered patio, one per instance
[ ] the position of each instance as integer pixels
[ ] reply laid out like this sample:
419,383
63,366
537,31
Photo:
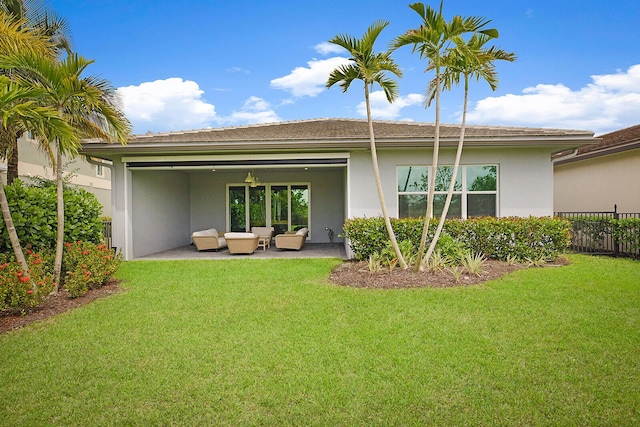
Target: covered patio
310,250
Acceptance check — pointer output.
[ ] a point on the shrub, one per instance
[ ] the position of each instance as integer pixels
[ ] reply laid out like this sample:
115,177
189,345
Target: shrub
17,291
451,249
495,238
87,266
627,231
34,214
522,238
406,249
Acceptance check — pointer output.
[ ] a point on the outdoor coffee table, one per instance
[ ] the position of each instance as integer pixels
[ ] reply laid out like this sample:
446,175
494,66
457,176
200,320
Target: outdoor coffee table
264,242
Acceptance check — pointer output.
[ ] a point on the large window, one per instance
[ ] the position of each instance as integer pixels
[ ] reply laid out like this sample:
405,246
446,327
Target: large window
475,191
282,206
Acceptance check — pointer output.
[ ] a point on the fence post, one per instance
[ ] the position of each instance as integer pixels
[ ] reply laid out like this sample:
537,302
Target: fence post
616,245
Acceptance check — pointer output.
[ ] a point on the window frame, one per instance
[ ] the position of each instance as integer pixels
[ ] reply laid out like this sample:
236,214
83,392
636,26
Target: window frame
464,192
267,189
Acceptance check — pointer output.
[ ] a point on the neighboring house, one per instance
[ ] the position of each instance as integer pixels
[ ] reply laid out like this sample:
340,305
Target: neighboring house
34,163
600,175
317,173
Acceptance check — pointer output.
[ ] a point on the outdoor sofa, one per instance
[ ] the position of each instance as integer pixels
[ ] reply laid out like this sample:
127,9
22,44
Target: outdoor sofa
241,243
208,239
292,239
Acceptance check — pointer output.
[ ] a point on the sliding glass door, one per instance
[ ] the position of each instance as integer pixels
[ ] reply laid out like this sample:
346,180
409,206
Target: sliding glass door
280,208
257,207
288,207
299,216
237,208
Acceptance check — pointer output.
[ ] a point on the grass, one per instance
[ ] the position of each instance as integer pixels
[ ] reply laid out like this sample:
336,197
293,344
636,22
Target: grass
271,342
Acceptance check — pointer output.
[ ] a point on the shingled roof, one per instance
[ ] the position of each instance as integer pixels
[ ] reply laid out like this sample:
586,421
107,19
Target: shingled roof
339,129
610,143
340,133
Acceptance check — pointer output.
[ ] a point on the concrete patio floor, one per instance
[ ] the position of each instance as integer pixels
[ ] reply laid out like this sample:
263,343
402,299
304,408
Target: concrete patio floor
310,250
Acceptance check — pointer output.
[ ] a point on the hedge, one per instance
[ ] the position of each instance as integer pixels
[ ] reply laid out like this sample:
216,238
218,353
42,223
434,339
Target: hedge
495,238
34,214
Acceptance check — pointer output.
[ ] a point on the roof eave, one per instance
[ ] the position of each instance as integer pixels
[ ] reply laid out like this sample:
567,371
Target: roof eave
606,151
557,143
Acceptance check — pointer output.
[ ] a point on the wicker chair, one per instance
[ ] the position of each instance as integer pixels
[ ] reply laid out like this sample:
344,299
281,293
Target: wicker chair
292,239
208,239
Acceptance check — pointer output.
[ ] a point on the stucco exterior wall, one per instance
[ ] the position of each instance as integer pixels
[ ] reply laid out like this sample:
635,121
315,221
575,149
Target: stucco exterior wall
160,211
599,183
34,163
525,178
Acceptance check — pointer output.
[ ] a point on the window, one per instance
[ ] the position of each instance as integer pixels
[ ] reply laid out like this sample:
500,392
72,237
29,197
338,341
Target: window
248,206
99,171
475,191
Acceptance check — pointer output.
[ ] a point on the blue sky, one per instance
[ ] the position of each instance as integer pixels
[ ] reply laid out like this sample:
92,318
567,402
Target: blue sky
199,64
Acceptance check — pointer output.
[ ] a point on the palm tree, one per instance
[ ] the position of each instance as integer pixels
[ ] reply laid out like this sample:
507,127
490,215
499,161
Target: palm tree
19,109
431,40
371,68
468,59
32,15
88,104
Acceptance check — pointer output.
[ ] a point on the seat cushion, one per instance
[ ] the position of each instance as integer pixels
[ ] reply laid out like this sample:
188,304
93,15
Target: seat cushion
238,235
209,232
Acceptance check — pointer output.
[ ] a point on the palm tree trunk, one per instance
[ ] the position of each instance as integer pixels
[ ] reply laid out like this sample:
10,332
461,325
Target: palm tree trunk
12,161
432,180
376,173
57,267
13,235
456,165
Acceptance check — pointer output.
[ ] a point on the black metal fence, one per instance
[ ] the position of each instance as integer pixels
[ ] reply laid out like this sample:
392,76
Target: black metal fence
107,233
593,233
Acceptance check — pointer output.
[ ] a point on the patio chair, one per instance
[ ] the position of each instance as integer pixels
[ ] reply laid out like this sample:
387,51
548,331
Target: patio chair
241,243
292,239
208,239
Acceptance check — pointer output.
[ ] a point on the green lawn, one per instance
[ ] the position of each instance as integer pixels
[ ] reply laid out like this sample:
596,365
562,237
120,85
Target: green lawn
272,342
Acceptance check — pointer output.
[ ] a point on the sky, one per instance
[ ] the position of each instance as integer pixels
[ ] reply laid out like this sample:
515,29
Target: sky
201,64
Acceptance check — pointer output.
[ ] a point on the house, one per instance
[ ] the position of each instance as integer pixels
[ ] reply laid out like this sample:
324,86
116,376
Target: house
93,175
596,177
316,174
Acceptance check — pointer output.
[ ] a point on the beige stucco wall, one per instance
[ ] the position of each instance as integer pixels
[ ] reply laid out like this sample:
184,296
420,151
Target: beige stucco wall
35,163
599,183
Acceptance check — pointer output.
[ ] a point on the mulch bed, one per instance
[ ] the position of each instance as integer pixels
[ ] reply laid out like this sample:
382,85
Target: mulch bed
55,303
357,274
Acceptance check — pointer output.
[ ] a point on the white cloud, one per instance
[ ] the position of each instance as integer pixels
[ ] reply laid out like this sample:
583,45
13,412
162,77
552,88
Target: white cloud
326,48
610,102
383,109
254,110
164,105
311,80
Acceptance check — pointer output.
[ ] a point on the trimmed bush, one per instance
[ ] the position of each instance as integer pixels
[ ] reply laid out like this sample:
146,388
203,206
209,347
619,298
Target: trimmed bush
87,266
34,213
495,238
17,291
